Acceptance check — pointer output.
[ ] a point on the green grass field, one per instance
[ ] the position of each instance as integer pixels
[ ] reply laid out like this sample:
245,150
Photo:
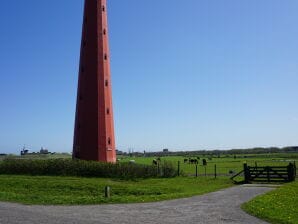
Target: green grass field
223,164
74,190
278,206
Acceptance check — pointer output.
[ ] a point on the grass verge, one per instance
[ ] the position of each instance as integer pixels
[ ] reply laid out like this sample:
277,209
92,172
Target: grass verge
48,190
278,206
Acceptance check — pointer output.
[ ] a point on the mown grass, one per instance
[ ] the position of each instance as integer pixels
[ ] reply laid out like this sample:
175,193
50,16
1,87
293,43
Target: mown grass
278,206
47,190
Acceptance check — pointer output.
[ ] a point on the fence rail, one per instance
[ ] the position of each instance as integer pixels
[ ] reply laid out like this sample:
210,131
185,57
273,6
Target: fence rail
220,169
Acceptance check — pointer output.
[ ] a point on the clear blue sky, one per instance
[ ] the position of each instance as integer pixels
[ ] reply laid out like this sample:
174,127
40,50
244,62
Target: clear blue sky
194,74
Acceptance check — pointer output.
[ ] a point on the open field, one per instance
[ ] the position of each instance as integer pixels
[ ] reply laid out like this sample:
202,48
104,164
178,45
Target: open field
78,190
39,156
278,206
224,165
75,190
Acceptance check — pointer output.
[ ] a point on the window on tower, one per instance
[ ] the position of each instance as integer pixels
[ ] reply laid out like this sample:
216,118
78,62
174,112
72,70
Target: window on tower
108,110
109,141
103,8
105,56
106,83
104,31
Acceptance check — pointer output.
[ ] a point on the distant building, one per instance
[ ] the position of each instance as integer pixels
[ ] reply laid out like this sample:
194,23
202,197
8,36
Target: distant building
118,152
24,151
165,150
43,151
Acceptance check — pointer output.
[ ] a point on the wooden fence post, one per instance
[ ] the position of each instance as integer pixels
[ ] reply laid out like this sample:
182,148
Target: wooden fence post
291,172
196,170
178,168
295,168
246,173
268,173
107,192
215,174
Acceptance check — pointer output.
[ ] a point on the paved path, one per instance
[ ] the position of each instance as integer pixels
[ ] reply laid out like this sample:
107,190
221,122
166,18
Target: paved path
217,207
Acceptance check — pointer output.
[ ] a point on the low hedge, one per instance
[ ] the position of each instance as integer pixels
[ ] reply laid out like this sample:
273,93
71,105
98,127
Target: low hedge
68,167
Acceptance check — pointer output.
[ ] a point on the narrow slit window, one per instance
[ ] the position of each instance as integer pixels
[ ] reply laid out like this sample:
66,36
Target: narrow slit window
108,111
104,31
103,8
106,83
106,57
109,141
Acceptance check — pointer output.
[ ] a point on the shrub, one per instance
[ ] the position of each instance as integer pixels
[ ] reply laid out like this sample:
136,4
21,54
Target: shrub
68,167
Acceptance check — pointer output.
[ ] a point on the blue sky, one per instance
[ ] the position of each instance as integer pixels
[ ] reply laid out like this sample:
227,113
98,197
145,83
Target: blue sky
194,74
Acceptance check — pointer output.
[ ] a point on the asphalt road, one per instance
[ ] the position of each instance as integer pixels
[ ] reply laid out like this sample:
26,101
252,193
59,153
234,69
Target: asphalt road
217,207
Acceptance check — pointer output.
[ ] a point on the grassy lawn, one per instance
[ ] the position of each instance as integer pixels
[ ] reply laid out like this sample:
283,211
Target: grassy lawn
278,206
75,190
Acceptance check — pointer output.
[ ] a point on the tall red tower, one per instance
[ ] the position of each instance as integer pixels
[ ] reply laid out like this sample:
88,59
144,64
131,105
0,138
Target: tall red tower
94,125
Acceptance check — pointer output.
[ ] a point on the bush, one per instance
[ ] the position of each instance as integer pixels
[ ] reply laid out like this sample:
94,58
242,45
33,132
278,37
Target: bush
68,167
168,169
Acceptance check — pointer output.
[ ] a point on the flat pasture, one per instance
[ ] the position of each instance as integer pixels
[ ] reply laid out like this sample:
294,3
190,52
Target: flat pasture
67,190
226,165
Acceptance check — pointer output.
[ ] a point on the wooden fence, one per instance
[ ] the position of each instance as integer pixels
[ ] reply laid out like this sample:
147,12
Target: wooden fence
268,173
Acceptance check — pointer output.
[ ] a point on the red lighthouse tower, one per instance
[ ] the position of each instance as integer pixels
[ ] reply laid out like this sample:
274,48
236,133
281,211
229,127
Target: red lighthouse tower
94,125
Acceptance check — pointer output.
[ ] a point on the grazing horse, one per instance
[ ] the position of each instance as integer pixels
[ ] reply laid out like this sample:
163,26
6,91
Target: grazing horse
185,160
193,161
154,162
